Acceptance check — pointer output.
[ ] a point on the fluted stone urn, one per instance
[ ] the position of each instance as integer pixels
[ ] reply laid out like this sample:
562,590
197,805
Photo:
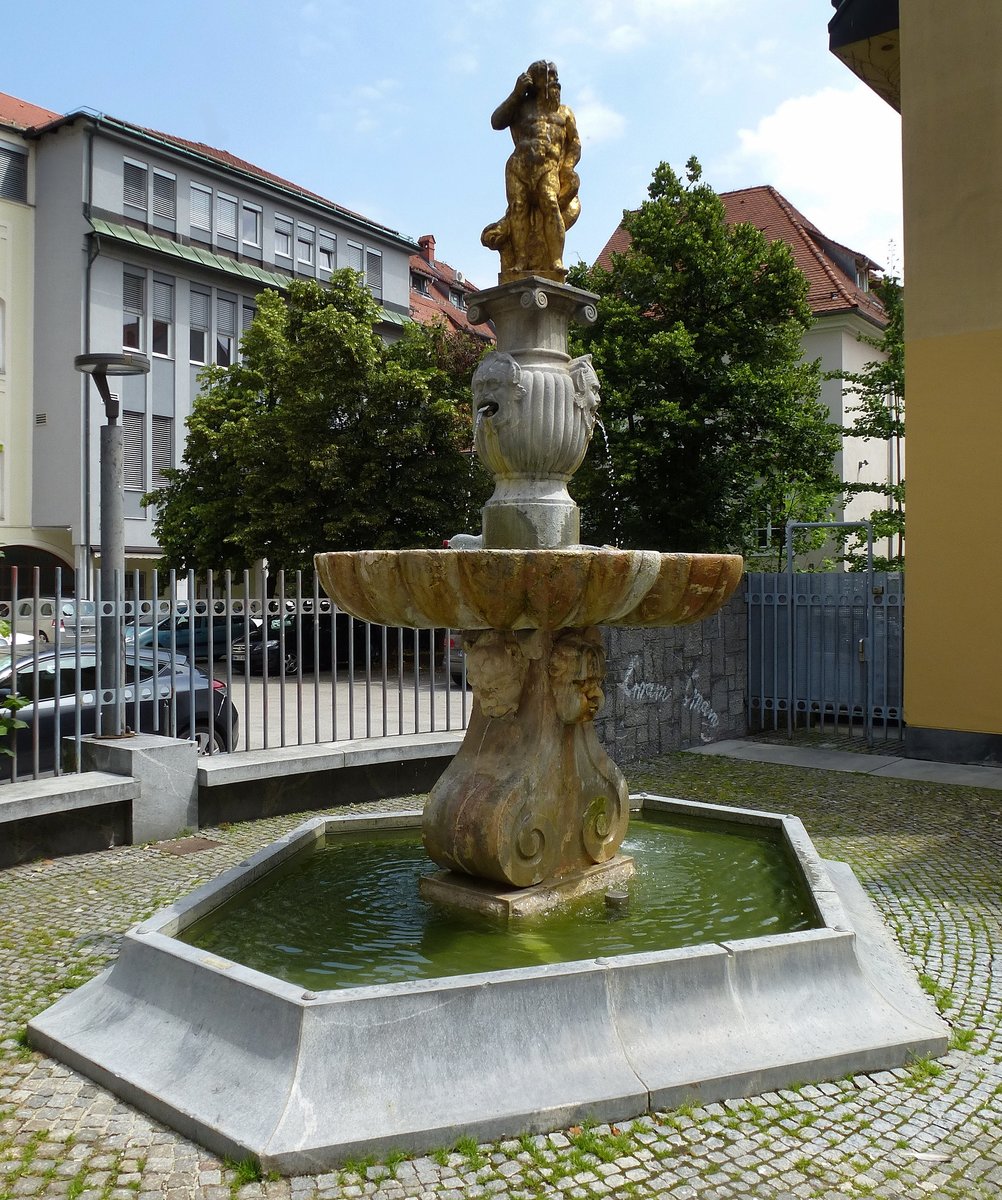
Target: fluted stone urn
532,809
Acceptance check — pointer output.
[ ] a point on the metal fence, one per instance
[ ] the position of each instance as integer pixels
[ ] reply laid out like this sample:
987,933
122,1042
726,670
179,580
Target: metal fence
236,661
826,649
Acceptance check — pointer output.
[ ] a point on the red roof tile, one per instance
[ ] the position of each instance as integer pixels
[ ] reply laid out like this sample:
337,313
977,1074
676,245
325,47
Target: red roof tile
436,305
831,289
19,114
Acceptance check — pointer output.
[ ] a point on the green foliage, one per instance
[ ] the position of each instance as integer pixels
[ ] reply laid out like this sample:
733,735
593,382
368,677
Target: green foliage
322,438
9,706
877,402
713,420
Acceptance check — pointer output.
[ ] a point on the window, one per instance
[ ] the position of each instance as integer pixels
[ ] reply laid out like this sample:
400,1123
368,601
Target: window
326,251
421,284
134,185
374,272
226,330
198,336
226,216
133,428
458,299
247,314
201,208
163,317
304,245
283,237
133,309
163,449
252,225
356,258
164,197
13,174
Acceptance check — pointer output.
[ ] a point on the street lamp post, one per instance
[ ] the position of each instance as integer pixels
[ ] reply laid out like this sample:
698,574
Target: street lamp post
100,366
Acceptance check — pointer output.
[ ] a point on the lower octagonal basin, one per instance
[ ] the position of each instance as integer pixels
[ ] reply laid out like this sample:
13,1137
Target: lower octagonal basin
303,1075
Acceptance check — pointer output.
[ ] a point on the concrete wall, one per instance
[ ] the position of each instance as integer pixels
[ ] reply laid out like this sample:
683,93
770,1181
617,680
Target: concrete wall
668,689
951,103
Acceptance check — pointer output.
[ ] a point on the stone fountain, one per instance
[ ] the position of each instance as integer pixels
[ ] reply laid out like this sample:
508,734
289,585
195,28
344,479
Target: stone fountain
531,811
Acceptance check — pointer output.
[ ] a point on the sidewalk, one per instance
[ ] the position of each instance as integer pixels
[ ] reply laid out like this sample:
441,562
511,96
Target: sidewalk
885,766
927,849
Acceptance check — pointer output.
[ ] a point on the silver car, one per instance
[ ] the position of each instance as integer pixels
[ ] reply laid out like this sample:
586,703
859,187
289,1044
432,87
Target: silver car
38,619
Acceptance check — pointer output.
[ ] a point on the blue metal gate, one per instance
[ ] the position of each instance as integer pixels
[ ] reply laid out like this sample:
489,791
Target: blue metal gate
826,649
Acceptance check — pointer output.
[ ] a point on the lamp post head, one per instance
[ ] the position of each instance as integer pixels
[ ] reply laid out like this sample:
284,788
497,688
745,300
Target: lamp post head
100,366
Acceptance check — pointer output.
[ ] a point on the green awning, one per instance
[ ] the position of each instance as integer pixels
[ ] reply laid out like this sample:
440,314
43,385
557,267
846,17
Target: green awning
205,258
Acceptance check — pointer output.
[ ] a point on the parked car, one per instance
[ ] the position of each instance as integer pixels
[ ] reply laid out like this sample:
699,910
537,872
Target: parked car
201,705
456,657
298,638
192,634
38,619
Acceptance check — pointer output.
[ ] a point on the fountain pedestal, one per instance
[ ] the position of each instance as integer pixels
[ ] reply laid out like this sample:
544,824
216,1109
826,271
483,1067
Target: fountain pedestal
531,796
531,800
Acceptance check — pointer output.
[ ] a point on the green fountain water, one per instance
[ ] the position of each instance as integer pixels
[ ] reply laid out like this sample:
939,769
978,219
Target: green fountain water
348,914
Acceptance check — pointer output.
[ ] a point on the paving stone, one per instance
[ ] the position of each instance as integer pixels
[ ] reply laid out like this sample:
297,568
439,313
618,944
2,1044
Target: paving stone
941,896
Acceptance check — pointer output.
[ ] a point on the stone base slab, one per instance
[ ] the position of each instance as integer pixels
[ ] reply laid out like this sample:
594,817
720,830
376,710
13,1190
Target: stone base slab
249,1065
453,890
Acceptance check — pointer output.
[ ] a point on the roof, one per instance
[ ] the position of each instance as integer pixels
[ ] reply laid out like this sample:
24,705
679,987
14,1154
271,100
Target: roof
19,114
825,262
41,121
437,305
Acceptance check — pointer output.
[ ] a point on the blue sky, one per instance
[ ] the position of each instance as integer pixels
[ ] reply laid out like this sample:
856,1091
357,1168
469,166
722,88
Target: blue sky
385,106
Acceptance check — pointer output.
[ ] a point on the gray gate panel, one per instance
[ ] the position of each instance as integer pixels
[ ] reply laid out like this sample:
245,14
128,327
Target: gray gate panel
825,646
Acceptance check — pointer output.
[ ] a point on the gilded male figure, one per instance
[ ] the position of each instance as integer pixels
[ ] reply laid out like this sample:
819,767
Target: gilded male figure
540,181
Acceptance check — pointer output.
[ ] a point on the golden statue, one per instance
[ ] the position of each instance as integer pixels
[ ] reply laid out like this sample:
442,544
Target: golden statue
540,181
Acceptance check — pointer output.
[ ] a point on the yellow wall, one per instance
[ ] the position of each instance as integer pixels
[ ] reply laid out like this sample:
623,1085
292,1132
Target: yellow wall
951,104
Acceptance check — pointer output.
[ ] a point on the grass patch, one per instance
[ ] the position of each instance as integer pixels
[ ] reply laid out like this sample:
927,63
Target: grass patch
247,1170
962,1039
606,1147
923,1070
469,1148
942,997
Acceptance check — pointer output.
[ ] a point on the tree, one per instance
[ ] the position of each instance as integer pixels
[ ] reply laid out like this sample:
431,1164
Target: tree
879,414
321,438
714,423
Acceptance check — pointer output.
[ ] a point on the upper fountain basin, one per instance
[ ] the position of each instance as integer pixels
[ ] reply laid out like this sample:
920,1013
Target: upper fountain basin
528,589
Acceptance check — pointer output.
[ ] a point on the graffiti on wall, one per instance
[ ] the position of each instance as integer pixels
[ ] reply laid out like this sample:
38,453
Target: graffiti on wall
637,690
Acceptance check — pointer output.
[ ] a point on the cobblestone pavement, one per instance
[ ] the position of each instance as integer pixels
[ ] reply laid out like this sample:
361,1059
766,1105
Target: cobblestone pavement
929,856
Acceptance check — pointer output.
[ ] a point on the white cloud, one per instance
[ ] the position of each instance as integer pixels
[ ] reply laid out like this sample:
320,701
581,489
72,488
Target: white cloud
596,121
836,155
623,25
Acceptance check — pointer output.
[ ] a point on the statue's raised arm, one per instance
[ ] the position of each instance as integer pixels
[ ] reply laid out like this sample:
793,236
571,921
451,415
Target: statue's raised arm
540,180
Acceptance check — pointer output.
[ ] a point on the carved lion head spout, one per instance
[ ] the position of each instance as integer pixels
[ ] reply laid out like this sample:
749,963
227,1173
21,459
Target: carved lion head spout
497,388
496,667
577,668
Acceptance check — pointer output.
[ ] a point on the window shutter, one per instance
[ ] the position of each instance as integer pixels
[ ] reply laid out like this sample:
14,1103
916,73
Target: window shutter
163,301
134,177
226,224
355,260
164,196
13,175
374,273
201,207
163,448
132,437
226,316
199,310
133,288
